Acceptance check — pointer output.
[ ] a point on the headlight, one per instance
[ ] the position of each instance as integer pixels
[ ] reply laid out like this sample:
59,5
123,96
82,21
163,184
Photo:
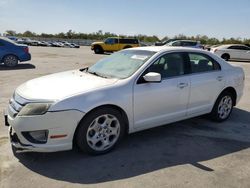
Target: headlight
34,109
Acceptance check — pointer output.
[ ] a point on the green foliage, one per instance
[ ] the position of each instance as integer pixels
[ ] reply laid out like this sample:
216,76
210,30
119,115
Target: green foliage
100,35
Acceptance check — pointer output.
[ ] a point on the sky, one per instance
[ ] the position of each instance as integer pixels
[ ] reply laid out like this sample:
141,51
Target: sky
214,18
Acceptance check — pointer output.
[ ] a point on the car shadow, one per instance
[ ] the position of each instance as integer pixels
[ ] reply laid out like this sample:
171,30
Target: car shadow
187,142
18,67
241,61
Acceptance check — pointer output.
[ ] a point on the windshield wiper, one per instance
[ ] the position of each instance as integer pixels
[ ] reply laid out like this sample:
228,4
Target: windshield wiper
84,69
97,74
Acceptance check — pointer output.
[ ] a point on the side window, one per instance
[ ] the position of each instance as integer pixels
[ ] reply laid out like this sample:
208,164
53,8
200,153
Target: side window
243,48
202,63
239,48
1,44
110,41
169,65
177,43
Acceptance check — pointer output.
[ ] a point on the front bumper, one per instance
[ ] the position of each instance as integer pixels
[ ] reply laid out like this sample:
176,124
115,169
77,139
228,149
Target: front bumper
57,123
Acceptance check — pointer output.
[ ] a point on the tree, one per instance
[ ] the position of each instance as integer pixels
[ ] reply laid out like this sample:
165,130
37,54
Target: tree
10,33
29,34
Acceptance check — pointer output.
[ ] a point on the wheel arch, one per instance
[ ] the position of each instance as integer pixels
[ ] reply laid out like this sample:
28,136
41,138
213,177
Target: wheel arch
116,107
10,54
225,54
98,46
127,46
232,91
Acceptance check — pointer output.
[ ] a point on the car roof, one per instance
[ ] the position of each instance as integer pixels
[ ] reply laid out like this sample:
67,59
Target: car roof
166,48
228,45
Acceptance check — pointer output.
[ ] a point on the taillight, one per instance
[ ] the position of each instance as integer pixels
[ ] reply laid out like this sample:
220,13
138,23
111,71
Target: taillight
26,49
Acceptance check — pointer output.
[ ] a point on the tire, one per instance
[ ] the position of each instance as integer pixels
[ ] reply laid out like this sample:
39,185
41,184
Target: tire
100,131
226,57
222,107
98,50
10,60
127,47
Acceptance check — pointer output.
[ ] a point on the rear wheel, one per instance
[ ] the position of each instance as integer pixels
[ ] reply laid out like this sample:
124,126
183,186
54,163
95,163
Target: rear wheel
100,131
10,61
225,57
223,107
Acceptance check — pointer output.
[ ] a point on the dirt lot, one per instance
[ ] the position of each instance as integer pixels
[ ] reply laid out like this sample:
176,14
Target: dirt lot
191,153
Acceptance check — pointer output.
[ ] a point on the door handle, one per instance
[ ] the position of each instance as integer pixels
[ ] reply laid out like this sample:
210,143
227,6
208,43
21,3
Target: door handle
182,85
219,78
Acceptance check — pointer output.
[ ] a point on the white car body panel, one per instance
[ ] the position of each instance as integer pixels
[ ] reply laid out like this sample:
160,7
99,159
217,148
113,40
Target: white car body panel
158,103
61,85
75,93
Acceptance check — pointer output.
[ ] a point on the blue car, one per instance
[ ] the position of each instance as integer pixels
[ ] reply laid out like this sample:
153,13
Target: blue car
11,53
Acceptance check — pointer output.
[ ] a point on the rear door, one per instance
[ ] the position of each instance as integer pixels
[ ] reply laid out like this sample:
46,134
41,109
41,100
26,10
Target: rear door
235,52
207,82
245,52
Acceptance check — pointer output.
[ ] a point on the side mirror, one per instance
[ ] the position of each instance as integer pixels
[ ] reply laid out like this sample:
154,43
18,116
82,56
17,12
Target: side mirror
152,77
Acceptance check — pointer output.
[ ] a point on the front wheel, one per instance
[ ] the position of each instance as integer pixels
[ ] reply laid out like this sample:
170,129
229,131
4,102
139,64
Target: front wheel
100,131
223,107
98,50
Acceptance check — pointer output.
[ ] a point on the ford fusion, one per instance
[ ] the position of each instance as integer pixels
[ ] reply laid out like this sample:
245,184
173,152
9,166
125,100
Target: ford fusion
128,91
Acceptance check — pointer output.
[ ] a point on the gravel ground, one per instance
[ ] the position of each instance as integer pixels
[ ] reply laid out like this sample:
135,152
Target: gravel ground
190,153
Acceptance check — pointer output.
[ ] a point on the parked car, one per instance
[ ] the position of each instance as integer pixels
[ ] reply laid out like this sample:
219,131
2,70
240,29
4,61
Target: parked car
161,43
75,45
44,43
57,44
129,91
11,52
232,51
248,45
186,43
113,44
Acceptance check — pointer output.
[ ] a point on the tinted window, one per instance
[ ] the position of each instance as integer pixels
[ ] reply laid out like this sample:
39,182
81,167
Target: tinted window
111,41
178,43
239,47
128,41
169,65
188,43
202,63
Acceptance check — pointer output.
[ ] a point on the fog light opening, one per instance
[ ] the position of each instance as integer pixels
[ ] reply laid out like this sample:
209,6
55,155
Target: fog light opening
36,137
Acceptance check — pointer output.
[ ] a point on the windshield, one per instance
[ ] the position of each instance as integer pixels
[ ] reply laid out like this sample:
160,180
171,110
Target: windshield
121,64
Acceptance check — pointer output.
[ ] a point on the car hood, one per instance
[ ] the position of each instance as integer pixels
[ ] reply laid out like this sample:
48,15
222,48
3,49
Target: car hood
97,43
61,85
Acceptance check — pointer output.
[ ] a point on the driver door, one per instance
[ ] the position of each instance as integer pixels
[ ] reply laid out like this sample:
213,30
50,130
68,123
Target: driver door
160,103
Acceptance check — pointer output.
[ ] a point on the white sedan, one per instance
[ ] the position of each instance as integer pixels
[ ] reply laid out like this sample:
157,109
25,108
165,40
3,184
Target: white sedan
129,91
232,51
